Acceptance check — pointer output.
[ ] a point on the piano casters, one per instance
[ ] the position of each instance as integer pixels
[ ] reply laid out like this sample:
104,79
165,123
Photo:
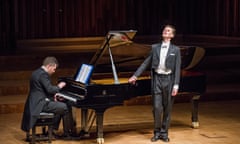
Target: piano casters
195,101
100,140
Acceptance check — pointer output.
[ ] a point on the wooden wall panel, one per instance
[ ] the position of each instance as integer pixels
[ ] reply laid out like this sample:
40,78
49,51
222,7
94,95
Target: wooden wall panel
30,19
7,27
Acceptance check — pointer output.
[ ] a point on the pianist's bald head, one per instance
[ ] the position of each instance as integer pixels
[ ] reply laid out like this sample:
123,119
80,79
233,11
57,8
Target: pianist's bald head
50,60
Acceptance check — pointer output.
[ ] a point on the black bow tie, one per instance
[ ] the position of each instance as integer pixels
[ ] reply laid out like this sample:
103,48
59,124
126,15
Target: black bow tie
164,46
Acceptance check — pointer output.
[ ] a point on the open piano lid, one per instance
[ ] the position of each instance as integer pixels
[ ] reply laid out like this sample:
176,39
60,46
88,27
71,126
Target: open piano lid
121,36
123,49
113,39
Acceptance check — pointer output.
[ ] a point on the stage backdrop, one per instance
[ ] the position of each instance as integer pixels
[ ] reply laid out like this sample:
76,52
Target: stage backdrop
30,19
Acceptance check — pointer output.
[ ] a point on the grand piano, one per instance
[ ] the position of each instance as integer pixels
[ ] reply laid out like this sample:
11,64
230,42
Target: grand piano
115,61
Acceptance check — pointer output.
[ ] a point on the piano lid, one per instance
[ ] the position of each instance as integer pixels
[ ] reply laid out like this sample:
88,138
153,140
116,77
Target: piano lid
123,50
113,39
122,36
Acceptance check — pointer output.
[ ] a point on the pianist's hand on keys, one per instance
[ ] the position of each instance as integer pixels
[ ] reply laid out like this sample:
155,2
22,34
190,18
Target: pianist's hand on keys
57,97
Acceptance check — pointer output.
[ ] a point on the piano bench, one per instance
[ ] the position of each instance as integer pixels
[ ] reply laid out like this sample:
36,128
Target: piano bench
44,120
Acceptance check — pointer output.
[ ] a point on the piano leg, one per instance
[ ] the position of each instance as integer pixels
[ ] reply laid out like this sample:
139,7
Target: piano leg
194,102
99,123
84,116
86,122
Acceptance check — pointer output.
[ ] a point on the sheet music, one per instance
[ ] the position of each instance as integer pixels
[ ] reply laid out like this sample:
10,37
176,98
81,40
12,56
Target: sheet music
84,73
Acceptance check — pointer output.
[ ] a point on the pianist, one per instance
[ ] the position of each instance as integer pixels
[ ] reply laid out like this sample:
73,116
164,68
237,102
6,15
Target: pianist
41,98
164,61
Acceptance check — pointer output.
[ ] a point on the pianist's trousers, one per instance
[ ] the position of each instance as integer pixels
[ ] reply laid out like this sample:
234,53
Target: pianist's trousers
60,110
162,103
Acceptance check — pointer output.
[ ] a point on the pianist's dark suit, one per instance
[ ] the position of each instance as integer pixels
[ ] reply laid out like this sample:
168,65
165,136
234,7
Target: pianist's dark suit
161,101
40,99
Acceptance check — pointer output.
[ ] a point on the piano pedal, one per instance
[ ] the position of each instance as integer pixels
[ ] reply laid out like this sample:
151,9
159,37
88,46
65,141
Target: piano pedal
84,134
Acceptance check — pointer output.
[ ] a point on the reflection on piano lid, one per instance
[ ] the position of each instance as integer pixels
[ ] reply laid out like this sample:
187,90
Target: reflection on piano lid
191,56
121,36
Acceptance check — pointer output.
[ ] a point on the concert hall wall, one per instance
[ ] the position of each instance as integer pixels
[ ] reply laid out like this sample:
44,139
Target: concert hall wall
31,19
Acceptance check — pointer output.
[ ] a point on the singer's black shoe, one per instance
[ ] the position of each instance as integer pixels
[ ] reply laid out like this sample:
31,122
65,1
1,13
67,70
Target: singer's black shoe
165,139
155,138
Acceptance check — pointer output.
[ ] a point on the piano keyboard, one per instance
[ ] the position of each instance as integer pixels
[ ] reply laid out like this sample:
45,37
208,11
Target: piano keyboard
70,96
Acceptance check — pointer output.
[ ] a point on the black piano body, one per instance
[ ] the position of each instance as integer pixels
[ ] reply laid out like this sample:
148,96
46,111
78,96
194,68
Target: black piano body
99,96
102,96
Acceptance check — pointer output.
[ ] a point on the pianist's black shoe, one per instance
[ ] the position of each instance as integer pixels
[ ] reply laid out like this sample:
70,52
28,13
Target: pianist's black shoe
69,136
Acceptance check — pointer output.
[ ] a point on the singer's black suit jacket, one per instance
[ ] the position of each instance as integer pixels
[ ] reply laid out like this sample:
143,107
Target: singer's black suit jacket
172,62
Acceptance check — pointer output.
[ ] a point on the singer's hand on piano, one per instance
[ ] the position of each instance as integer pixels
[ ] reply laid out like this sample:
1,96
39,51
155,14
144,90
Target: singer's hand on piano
132,80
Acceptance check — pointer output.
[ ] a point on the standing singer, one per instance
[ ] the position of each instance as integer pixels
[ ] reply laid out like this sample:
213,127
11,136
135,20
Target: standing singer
165,63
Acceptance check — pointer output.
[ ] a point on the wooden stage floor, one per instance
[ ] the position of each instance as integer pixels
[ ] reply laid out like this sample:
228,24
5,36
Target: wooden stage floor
219,124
